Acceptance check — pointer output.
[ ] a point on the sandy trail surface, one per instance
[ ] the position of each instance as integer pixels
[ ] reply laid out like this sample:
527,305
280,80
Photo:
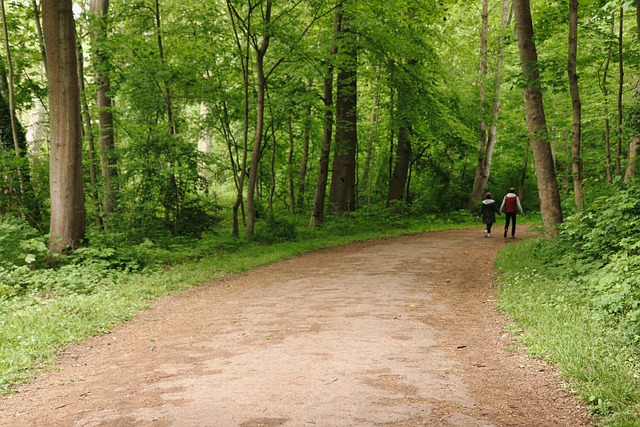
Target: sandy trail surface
393,332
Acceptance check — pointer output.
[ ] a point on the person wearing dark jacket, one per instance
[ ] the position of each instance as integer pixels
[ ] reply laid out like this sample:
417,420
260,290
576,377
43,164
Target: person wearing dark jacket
489,210
511,207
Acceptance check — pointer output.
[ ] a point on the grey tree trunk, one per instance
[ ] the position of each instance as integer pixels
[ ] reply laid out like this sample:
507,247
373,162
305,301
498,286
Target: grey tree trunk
261,84
536,122
108,160
576,160
67,197
479,180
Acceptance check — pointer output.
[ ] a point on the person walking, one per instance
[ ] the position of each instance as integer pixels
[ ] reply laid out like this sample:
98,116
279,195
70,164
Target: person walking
511,207
489,210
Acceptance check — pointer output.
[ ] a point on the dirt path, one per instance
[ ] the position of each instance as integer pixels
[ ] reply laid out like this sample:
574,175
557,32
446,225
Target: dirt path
395,332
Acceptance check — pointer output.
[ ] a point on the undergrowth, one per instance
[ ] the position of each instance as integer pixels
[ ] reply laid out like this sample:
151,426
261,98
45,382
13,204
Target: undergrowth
577,299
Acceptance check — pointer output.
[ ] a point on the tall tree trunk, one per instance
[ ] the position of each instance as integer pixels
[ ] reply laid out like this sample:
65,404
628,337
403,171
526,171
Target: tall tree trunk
572,69
67,197
304,159
536,122
400,175
317,210
108,159
479,180
261,84
12,108
243,52
290,172
620,93
373,138
343,178
483,168
634,145
36,15
88,132
604,87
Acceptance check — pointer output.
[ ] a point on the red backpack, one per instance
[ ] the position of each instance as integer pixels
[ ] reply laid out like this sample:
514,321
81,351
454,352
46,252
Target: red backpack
511,204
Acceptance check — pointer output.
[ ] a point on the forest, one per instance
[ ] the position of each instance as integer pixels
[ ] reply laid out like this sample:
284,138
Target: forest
136,134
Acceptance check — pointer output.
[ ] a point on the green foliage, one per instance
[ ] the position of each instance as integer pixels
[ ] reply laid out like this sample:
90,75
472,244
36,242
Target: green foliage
561,322
275,230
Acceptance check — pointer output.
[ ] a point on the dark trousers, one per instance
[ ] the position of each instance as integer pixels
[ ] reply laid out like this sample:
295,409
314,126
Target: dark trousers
510,217
488,227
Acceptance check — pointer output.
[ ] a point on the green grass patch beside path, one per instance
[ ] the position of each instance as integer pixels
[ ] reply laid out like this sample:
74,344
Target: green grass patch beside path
559,325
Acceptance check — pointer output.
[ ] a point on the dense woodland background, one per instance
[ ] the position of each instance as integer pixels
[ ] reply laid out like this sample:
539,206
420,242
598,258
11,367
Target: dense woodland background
306,108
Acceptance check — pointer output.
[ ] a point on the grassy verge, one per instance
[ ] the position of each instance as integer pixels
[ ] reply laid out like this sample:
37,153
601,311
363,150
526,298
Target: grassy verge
558,324
34,326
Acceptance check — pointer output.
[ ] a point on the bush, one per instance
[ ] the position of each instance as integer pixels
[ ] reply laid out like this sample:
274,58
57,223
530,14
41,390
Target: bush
275,230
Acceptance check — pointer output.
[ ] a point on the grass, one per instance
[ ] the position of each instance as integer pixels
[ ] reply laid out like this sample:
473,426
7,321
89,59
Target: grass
560,327
34,327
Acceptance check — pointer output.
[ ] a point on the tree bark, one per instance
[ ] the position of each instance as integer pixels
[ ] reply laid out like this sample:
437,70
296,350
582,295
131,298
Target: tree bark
572,70
317,210
605,94
620,93
290,172
67,226
88,132
238,205
479,180
400,174
304,159
108,160
536,122
343,179
634,145
12,106
261,84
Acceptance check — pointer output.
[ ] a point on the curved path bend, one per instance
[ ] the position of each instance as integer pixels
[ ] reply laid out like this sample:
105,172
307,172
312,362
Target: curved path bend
393,332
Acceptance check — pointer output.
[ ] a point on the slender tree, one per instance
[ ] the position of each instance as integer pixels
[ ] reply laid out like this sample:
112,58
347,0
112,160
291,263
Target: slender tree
108,160
261,83
480,181
67,197
12,105
620,92
572,70
88,134
343,179
604,87
317,210
536,122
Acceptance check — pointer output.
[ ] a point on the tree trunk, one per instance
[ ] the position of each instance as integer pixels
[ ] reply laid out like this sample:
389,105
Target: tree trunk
290,172
479,180
261,84
67,198
536,122
304,159
576,160
398,182
36,15
317,210
88,132
108,160
373,138
620,93
343,178
633,159
605,94
12,107
244,61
